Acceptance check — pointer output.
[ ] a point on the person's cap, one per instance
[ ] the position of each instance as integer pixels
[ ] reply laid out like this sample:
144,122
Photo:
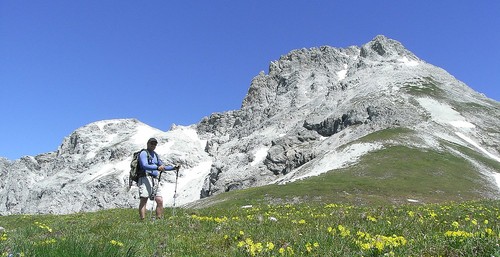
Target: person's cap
152,140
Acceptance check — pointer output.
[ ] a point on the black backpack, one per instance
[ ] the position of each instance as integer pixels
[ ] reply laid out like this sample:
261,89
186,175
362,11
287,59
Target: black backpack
135,168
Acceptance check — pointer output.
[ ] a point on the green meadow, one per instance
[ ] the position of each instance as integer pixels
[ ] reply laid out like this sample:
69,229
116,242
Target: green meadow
449,229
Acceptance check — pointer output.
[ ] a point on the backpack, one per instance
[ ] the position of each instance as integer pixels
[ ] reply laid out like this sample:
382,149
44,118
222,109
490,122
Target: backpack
135,168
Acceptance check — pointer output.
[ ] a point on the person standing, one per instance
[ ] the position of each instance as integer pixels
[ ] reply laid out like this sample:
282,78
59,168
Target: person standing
151,166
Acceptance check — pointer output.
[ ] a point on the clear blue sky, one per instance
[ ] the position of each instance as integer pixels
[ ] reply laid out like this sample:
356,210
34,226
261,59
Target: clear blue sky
65,64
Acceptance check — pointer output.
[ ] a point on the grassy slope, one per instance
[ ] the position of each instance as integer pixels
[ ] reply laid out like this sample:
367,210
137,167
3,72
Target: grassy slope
390,175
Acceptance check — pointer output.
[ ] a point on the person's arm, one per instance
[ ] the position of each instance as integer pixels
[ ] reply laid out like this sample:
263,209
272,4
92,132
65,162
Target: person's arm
152,168
166,167
163,167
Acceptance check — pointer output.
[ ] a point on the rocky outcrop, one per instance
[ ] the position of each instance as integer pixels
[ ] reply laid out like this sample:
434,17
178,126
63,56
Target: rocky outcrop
333,125
290,152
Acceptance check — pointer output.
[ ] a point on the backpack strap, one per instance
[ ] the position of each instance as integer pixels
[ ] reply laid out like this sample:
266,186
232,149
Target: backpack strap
150,158
142,171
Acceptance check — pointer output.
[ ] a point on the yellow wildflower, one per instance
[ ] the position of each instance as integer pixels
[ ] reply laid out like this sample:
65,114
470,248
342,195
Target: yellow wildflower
379,245
458,233
117,243
220,220
309,247
344,232
489,232
380,242
270,246
43,226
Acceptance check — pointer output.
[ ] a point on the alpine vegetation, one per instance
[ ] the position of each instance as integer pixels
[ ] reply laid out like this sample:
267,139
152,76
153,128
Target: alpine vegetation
458,229
374,121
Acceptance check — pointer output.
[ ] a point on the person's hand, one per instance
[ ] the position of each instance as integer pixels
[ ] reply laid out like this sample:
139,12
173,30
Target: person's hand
154,173
161,168
177,167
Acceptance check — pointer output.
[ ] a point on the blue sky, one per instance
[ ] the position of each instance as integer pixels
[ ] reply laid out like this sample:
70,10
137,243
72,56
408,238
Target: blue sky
65,64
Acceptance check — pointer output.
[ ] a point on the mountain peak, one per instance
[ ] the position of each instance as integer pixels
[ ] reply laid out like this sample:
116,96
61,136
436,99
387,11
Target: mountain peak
382,47
101,134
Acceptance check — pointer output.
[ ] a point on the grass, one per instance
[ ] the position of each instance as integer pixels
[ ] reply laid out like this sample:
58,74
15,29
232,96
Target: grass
451,229
387,176
427,87
397,133
492,164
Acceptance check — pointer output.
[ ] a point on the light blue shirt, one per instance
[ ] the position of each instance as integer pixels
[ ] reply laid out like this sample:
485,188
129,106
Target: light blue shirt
148,167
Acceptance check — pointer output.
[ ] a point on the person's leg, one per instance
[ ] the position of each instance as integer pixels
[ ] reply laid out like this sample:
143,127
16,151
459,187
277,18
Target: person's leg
142,207
144,192
159,207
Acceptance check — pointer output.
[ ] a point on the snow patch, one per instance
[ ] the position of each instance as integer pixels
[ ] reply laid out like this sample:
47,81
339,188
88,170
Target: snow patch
444,114
189,184
472,142
496,176
144,133
462,124
90,155
98,172
259,155
407,62
342,74
185,131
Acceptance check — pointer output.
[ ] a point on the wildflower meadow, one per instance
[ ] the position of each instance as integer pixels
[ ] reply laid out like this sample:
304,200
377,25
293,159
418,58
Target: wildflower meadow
455,229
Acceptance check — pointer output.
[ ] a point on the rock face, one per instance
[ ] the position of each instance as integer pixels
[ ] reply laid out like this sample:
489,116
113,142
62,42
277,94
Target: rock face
294,122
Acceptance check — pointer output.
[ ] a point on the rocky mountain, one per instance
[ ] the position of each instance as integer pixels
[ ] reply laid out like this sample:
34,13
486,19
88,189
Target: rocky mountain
305,117
89,171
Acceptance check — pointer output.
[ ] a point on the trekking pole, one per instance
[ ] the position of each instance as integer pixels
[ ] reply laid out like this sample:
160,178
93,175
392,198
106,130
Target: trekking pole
153,193
152,197
175,190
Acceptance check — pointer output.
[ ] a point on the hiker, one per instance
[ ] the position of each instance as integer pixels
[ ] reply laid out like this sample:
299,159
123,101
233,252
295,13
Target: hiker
151,167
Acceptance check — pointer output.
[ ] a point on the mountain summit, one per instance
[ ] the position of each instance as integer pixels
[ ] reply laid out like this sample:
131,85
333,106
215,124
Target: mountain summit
316,111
